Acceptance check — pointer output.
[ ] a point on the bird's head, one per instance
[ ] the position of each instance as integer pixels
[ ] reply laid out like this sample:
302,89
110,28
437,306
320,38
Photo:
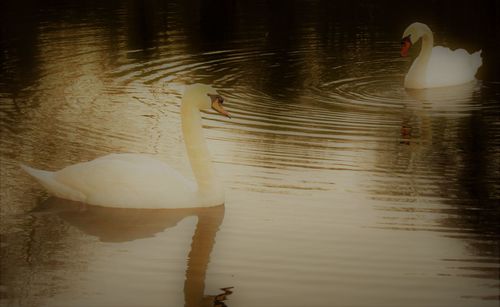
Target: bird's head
204,97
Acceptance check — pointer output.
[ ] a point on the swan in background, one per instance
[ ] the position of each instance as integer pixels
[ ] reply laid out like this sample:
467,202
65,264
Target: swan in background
140,181
438,66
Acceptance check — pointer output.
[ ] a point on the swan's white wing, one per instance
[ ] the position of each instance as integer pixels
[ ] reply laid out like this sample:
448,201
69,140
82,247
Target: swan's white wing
451,67
128,180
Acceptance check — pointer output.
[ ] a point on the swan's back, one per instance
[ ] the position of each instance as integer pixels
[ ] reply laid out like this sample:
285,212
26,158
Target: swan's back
120,180
451,67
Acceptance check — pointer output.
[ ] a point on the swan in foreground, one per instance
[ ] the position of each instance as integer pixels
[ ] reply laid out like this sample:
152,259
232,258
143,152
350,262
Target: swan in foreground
438,66
140,181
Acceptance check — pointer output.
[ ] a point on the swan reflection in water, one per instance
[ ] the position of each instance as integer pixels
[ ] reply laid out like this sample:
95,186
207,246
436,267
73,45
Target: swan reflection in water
442,102
121,225
449,99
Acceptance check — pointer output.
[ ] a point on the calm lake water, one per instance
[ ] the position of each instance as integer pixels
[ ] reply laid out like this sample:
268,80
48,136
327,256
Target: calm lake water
342,188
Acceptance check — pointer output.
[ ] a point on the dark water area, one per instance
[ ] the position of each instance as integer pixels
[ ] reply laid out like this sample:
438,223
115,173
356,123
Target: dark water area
215,25
342,187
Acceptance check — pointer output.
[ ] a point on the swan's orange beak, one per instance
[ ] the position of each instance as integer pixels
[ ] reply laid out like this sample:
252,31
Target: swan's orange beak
405,46
217,106
217,102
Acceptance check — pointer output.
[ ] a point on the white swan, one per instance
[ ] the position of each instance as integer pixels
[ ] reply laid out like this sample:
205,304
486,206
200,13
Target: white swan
438,66
140,181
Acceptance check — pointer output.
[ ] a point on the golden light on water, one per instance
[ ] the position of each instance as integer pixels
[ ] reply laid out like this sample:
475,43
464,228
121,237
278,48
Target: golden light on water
342,187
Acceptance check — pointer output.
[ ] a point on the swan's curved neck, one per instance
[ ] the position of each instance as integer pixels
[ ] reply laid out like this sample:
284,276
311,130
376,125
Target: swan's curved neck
417,77
427,44
199,156
425,54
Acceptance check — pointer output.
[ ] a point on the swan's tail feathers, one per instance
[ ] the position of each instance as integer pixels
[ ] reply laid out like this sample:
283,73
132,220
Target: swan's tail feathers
40,175
56,188
477,60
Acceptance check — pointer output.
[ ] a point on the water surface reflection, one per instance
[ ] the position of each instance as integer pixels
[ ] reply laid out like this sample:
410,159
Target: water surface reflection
343,188
123,225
